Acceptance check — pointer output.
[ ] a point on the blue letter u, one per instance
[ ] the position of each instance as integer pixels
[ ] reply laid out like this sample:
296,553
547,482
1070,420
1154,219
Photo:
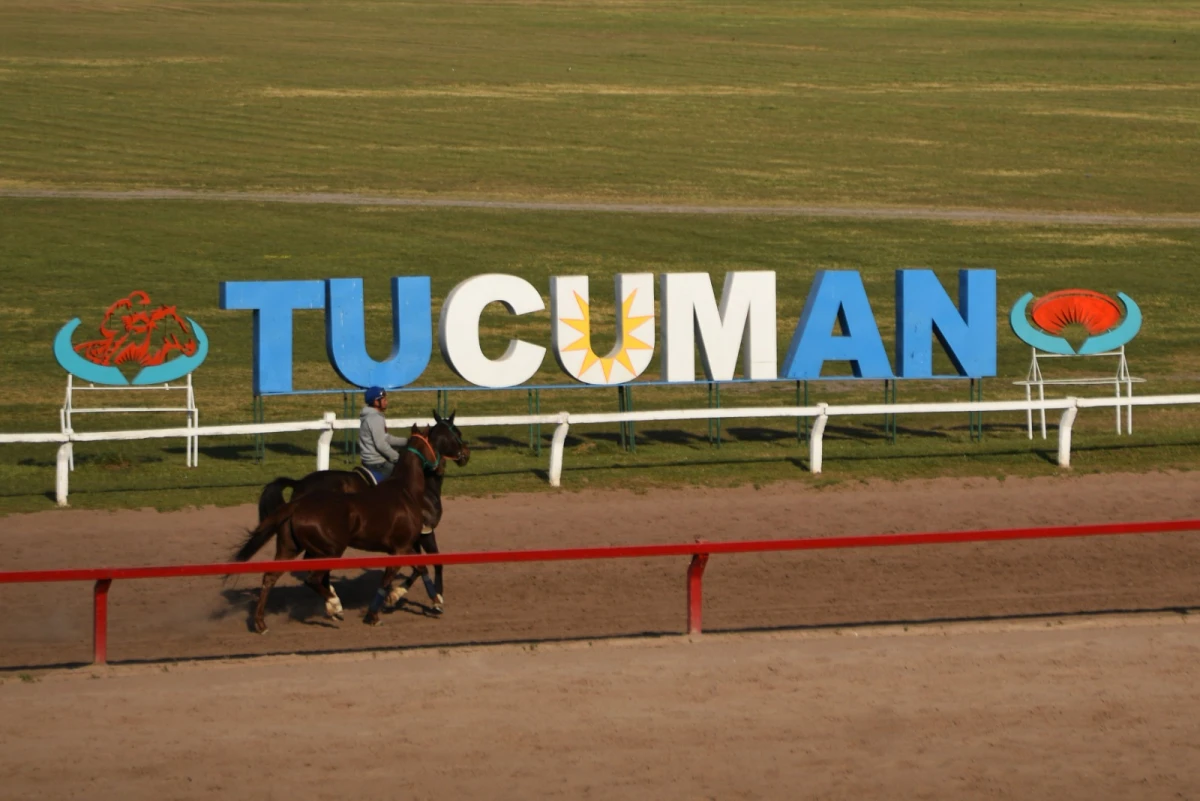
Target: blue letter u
412,332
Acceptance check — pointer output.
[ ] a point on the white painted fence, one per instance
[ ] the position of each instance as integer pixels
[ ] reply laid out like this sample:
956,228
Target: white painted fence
564,420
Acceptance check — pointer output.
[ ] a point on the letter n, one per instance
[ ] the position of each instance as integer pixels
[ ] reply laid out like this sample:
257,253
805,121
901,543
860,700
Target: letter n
966,333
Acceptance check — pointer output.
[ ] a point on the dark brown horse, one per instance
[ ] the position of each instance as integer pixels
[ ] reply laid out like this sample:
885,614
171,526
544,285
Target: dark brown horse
353,481
386,518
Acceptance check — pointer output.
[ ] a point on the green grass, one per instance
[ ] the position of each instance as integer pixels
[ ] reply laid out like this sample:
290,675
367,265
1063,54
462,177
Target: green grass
1052,107
1086,106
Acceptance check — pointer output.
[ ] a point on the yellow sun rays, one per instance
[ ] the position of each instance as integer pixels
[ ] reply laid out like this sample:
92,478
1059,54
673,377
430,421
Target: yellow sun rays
627,342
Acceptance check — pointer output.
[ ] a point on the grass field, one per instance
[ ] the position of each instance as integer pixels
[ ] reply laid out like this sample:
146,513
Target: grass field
992,106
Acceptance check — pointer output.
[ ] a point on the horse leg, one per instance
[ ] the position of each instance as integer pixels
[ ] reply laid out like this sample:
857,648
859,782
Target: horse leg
285,548
428,544
319,581
381,596
268,581
396,593
337,602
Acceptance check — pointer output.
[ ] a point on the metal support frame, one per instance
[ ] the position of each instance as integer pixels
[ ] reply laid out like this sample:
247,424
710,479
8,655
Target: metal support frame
533,405
974,418
801,422
189,409
1120,379
714,424
349,441
627,434
889,420
259,414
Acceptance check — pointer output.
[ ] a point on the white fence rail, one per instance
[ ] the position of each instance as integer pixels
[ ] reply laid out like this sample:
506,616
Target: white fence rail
564,420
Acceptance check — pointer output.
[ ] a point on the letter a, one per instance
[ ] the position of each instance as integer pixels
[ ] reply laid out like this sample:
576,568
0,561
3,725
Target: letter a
837,296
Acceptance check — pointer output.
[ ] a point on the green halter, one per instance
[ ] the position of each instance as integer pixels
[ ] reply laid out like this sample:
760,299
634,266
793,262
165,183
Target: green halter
425,463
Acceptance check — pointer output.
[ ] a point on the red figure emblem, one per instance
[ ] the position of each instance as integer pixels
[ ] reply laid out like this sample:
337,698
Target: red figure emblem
139,327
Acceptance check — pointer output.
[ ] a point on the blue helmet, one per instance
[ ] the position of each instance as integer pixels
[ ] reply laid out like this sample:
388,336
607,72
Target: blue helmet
373,394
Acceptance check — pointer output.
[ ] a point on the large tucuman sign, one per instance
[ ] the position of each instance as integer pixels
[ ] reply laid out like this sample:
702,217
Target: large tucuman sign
836,325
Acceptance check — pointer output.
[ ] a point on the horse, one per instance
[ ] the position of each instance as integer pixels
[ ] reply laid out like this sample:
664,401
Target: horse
353,481
386,518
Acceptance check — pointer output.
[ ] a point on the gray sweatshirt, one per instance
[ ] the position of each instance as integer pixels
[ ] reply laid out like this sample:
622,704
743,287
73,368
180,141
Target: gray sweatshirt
375,444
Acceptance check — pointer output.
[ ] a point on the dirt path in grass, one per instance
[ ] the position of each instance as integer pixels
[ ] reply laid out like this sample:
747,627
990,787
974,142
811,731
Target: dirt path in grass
849,212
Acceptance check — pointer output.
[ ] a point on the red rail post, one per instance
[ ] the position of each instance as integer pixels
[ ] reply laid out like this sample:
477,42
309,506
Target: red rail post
100,621
695,591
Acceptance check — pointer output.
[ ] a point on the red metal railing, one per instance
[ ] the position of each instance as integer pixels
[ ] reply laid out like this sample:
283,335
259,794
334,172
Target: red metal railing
699,551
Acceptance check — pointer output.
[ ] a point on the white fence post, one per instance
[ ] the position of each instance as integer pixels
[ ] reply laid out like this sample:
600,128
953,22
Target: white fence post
194,442
323,441
1065,423
556,449
62,473
815,443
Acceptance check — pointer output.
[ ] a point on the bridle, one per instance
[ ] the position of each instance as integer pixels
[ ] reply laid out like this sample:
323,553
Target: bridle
434,464
463,450
431,466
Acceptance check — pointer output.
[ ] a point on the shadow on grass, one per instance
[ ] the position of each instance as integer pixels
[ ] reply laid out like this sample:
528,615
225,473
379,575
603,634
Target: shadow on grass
121,490
245,452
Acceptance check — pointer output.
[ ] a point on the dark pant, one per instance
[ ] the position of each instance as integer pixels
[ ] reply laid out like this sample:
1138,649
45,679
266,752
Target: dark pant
380,471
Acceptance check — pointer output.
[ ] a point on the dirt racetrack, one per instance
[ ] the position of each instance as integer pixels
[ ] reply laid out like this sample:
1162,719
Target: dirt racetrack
169,619
804,695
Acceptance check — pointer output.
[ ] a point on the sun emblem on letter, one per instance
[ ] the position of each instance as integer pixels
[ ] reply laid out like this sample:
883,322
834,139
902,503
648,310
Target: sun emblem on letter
634,348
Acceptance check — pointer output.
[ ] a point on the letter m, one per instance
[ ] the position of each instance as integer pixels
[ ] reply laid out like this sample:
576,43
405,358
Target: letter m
745,321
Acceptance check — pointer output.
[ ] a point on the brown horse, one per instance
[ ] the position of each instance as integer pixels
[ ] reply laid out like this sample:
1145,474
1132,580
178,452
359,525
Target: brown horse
353,481
386,518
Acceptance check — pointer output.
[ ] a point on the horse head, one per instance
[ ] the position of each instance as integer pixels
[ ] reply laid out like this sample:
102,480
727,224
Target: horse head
448,439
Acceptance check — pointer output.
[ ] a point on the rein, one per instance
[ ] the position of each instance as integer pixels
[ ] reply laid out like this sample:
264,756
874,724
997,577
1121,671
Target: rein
428,465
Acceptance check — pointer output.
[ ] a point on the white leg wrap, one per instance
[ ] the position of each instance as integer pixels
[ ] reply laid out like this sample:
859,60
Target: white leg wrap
333,608
396,594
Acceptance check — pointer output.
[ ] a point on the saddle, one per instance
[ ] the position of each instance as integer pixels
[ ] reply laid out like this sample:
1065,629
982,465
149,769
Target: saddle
367,476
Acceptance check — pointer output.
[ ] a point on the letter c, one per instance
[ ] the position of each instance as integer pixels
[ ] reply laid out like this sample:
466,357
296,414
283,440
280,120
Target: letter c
458,331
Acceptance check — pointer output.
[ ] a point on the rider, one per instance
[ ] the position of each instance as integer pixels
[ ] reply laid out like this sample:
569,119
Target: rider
377,447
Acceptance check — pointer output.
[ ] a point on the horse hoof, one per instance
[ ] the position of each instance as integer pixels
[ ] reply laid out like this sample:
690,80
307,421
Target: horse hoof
371,620
261,628
339,616
436,610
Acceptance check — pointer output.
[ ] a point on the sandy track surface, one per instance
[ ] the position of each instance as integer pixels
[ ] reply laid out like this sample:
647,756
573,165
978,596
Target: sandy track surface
808,700
1086,710
169,619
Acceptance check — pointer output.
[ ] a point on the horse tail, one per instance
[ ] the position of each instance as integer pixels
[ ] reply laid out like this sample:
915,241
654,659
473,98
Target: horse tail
271,499
260,536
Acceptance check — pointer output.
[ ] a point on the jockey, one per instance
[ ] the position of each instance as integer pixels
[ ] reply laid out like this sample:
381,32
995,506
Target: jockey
377,447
